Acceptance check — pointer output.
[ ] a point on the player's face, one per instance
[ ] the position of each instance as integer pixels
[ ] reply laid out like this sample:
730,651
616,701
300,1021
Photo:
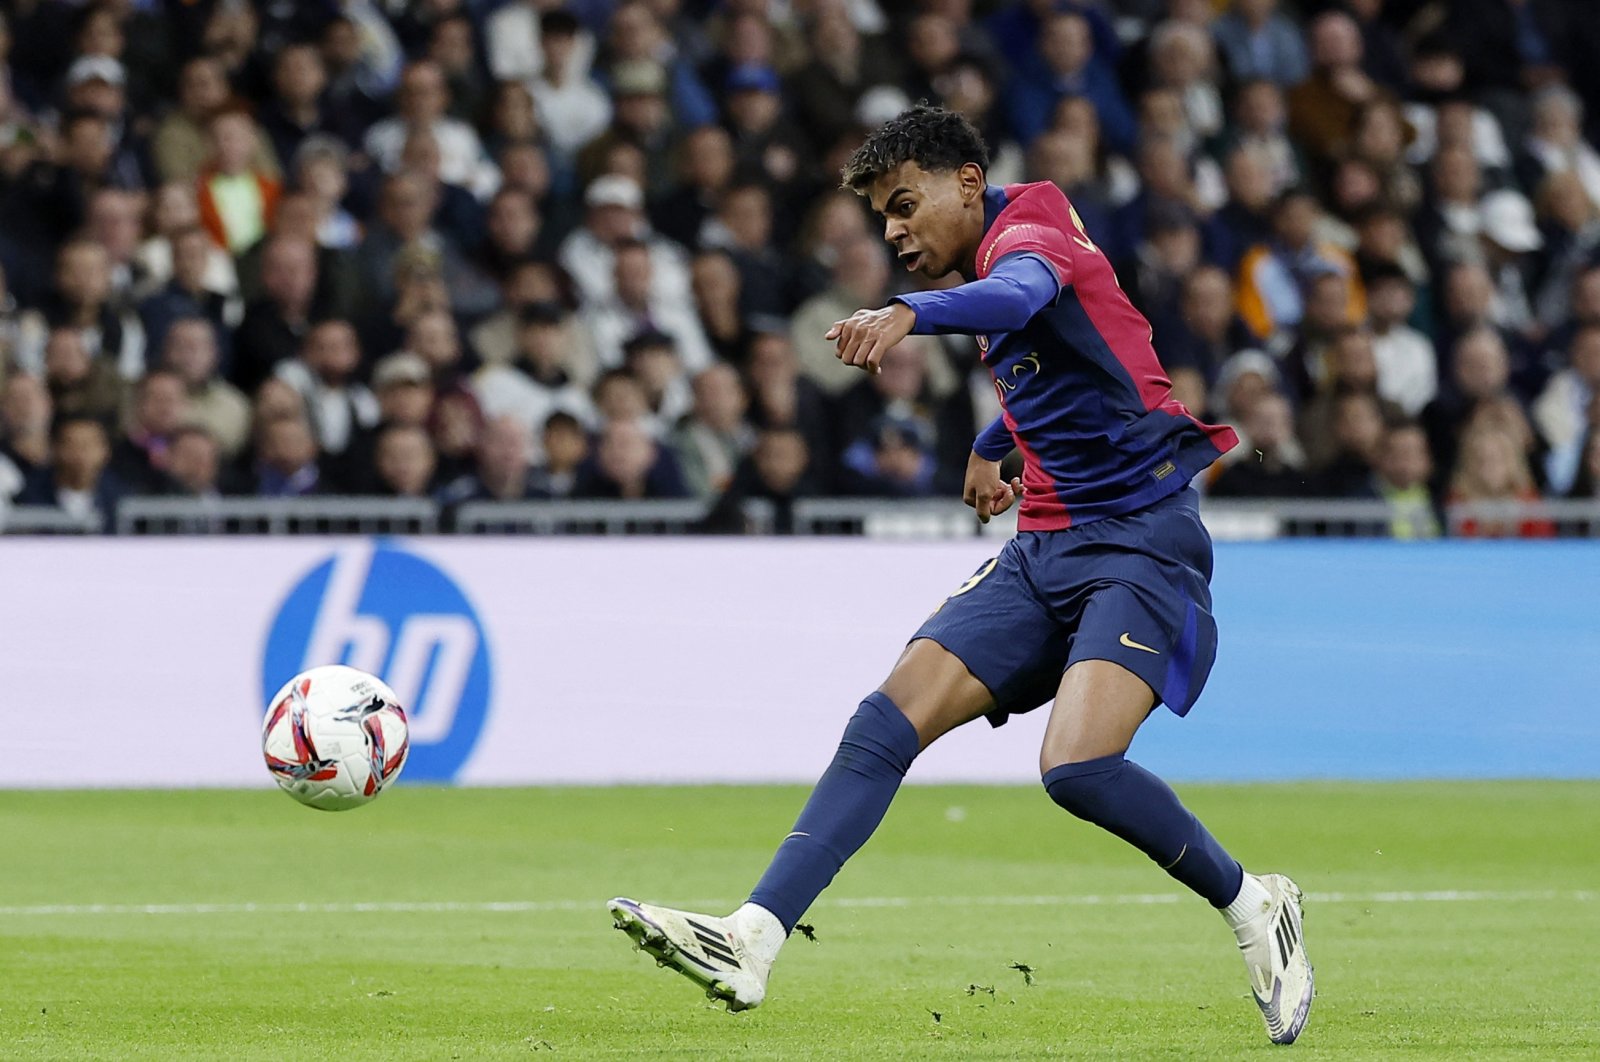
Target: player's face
934,220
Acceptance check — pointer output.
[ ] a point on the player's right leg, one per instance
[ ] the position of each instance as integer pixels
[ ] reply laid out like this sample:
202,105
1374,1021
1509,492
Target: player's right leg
929,693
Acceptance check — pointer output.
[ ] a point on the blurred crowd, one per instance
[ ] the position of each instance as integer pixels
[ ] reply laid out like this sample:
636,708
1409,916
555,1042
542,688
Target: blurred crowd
469,249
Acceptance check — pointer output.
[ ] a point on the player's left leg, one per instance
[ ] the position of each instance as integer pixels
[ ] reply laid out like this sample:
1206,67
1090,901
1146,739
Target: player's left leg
1098,709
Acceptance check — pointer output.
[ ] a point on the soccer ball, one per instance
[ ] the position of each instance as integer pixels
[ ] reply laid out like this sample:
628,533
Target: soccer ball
335,737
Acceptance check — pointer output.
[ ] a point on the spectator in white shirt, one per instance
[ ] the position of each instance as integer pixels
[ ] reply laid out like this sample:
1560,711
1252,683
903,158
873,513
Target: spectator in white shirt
614,215
323,375
573,110
1408,367
424,97
637,307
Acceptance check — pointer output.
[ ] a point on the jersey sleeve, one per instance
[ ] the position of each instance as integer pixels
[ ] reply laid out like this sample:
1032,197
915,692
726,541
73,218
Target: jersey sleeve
1017,288
994,442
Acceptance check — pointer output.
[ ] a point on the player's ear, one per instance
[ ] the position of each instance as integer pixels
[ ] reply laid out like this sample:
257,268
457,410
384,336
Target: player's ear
970,177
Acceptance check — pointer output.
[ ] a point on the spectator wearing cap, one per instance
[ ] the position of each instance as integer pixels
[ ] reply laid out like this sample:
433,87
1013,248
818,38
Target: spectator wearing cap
573,109
635,308
424,103
1068,66
1509,238
543,375
403,385
641,119
237,200
764,142
1259,41
97,84
613,215
635,32
189,351
181,145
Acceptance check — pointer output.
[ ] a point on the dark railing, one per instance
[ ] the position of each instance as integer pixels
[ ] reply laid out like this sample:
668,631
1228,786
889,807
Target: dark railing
872,518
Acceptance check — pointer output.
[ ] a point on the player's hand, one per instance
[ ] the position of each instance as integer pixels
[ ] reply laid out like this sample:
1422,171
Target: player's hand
985,491
866,336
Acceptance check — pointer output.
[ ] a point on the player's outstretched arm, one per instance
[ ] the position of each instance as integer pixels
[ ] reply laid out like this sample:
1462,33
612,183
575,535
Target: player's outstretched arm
1020,286
985,491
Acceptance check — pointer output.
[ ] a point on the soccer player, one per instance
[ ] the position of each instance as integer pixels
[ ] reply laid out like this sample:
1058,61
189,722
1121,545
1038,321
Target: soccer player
1101,602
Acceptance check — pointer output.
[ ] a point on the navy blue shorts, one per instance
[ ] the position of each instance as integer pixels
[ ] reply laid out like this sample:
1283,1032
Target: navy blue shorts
1131,589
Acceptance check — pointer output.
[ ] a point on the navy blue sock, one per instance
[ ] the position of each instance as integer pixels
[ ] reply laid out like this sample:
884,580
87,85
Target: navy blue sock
1143,810
845,807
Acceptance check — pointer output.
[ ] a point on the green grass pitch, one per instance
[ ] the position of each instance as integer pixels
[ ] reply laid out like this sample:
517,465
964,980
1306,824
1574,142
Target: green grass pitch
1446,921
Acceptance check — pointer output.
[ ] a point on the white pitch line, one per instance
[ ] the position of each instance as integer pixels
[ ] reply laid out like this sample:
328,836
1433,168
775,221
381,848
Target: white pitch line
536,906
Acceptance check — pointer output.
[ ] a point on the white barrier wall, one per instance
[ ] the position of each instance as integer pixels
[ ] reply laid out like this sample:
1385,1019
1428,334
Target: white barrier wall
532,661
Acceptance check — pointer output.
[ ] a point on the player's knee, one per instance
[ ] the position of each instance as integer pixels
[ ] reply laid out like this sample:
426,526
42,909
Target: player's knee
879,739
1086,789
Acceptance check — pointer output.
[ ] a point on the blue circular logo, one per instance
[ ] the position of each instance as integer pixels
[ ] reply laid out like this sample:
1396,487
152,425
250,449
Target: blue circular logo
391,613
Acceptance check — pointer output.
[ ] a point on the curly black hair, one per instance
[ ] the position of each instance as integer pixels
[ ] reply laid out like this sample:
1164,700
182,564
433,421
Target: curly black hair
934,138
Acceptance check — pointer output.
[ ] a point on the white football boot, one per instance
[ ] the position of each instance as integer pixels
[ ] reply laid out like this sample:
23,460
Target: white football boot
709,951
1275,954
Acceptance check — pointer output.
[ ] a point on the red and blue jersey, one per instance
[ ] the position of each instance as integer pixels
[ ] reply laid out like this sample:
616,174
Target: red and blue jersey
1082,393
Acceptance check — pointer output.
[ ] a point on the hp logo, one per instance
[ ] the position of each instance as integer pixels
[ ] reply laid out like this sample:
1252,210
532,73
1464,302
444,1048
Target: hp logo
376,607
